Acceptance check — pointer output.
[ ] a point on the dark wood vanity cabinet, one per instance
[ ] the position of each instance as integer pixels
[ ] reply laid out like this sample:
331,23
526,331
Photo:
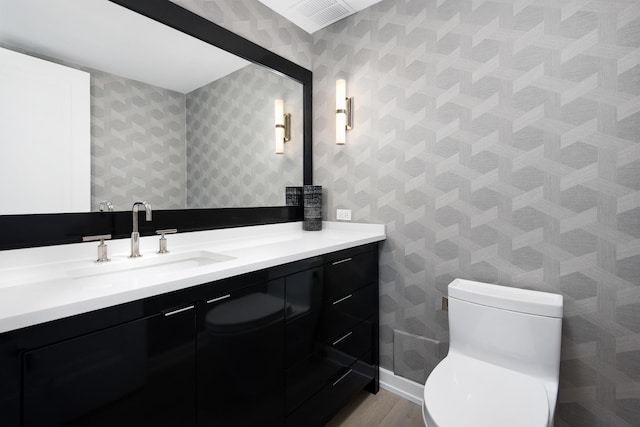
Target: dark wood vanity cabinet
140,371
331,335
289,345
240,355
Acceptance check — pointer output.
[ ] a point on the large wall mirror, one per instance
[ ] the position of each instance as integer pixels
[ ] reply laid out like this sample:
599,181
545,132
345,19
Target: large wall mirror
181,111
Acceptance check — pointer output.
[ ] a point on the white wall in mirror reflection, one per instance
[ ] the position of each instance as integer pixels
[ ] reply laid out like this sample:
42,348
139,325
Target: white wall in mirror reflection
45,128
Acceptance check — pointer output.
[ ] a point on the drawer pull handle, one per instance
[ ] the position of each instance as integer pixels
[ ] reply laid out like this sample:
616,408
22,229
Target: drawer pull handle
341,261
342,338
180,310
342,377
219,298
342,299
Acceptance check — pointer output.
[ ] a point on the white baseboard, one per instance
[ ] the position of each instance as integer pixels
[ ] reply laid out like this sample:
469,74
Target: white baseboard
401,386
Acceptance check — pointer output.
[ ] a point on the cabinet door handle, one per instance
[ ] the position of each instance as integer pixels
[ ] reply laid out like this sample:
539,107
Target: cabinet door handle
180,310
342,377
342,299
342,338
341,261
218,299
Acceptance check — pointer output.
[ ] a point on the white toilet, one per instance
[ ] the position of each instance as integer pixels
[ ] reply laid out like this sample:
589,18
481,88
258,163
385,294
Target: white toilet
504,358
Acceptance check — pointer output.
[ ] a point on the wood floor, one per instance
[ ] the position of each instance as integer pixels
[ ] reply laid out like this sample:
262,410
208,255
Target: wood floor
384,409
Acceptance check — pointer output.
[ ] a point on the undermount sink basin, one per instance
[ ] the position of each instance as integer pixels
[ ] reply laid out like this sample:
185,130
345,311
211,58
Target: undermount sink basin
153,265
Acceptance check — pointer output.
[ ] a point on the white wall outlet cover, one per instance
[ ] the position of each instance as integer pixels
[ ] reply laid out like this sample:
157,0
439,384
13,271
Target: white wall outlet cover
343,214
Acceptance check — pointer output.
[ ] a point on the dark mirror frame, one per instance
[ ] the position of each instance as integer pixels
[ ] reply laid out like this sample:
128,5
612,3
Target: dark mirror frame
24,231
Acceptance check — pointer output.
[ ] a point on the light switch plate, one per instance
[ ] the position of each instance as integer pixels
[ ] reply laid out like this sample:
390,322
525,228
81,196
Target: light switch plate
343,214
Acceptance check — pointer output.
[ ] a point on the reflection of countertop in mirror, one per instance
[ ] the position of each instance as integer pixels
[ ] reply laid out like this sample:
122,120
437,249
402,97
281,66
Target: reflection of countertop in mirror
48,283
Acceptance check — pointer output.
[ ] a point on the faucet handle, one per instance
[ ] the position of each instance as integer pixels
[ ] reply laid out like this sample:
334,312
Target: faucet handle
163,240
102,248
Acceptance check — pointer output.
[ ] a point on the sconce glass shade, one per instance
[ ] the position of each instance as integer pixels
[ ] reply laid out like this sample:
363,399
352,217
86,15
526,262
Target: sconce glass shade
279,119
341,111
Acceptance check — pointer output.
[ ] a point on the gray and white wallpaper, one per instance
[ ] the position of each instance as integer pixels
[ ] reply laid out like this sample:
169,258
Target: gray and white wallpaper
498,141
231,158
138,144
256,22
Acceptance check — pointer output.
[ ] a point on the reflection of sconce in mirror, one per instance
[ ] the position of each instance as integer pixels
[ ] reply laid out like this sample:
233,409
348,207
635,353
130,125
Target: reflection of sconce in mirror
344,115
283,126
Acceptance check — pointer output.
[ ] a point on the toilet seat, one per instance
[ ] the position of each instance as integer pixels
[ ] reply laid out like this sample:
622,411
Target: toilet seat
462,392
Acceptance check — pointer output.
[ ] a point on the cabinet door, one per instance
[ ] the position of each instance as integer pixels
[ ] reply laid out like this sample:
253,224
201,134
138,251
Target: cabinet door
308,365
138,373
241,357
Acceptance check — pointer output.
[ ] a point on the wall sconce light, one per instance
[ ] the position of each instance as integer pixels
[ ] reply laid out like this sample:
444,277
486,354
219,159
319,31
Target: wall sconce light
283,126
344,115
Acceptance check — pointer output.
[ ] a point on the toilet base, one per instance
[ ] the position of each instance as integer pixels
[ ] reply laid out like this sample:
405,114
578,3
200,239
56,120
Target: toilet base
428,422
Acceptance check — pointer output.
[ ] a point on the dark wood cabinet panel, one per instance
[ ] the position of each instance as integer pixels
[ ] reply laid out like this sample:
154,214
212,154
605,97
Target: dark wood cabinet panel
140,372
241,357
336,331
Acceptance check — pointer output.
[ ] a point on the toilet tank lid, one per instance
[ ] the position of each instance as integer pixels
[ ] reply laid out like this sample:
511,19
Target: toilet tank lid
507,298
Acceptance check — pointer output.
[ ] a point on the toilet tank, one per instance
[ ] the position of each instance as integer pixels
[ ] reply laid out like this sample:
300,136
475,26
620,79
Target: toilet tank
514,328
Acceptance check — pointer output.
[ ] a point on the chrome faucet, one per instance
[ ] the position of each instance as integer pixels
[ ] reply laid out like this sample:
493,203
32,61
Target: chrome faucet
135,236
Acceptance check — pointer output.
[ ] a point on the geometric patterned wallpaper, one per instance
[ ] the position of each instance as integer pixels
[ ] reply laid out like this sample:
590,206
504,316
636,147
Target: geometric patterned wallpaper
498,140
143,146
137,143
231,158
154,144
256,22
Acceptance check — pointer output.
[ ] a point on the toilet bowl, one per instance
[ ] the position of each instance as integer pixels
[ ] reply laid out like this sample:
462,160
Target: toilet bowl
502,369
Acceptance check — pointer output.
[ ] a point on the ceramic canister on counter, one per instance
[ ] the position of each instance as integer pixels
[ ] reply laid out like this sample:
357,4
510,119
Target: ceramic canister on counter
312,208
293,196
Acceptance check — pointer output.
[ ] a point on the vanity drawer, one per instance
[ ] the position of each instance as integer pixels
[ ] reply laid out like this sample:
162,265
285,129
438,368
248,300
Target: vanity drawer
348,382
313,329
350,273
307,377
355,342
342,313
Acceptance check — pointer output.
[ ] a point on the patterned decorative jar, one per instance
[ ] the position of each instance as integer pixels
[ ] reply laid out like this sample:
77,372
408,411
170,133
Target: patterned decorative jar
312,208
293,196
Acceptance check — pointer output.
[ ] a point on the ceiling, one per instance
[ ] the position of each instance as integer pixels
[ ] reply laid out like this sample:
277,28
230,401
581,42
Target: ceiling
312,15
104,36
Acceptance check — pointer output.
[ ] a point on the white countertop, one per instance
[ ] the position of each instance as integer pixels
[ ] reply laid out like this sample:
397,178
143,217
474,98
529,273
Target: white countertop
47,283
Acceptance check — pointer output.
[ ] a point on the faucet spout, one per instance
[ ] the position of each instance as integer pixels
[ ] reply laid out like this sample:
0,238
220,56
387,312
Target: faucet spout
135,235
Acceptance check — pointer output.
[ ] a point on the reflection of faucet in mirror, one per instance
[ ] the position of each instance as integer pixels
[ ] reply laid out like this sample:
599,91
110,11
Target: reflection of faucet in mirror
135,235
105,205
